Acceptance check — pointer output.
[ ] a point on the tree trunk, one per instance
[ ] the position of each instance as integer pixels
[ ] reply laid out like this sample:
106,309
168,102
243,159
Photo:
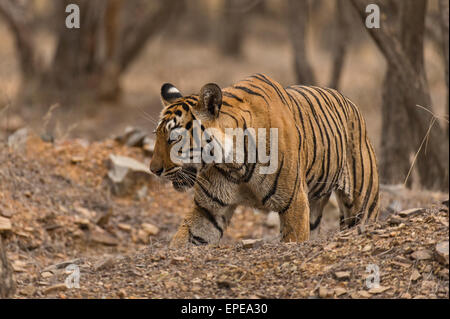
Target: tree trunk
297,22
396,146
444,11
7,285
404,55
230,28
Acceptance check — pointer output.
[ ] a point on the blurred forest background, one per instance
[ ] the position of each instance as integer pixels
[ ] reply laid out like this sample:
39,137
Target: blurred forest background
96,80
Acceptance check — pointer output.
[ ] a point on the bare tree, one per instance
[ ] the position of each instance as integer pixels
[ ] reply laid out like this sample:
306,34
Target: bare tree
444,18
406,88
341,42
7,285
87,59
230,28
297,22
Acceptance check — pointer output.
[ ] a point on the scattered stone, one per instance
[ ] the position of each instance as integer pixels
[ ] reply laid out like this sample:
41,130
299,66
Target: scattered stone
125,173
251,243
150,229
102,218
410,212
415,275
224,284
61,265
17,140
394,220
340,291
104,263
378,290
5,224
177,260
100,236
46,274
342,275
364,294
325,292
54,288
273,220
442,252
423,254
124,227
77,159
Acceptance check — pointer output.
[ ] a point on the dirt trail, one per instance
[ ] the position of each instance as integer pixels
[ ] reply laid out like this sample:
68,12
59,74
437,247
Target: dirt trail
62,212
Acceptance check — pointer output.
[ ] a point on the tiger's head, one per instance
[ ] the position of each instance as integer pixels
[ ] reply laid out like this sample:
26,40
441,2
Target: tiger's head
180,114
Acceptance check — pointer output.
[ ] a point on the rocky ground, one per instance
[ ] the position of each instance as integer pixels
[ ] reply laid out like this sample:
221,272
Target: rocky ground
72,202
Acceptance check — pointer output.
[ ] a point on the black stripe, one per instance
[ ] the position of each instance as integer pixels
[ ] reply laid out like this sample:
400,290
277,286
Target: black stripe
196,240
211,196
209,216
251,92
273,189
231,95
314,225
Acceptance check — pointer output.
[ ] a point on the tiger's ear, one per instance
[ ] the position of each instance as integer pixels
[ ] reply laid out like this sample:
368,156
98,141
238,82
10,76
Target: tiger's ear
210,99
169,94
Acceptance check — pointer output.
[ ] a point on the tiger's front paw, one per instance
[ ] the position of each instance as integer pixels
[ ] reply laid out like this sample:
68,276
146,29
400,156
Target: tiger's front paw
181,238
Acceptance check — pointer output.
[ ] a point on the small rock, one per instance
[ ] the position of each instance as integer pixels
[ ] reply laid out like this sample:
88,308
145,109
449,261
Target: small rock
340,291
143,236
77,159
18,139
124,173
364,294
100,236
342,275
251,243
177,260
224,284
378,290
325,292
415,275
46,274
122,293
54,288
423,254
410,212
124,227
442,252
367,248
104,263
150,229
406,296
5,224
273,220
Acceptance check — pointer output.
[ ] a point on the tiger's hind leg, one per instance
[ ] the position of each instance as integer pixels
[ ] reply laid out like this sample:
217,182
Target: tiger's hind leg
359,203
316,212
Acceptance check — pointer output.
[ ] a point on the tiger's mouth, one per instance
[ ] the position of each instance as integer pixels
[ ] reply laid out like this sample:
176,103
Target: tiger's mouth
184,179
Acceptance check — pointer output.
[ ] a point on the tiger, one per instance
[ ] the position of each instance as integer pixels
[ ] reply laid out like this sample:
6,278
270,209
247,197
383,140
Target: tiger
323,148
